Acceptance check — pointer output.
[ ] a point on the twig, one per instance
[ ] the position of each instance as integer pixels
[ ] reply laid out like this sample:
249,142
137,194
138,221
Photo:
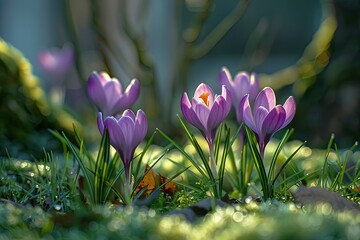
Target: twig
219,31
75,42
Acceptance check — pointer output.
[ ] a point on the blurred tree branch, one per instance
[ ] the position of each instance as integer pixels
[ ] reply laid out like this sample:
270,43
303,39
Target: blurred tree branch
219,31
75,42
314,59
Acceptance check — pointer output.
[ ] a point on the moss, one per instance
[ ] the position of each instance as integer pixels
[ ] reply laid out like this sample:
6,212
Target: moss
269,220
25,112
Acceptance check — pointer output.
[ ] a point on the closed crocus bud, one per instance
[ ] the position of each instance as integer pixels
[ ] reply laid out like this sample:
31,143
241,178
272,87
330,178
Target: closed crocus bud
206,110
266,118
108,96
126,132
242,84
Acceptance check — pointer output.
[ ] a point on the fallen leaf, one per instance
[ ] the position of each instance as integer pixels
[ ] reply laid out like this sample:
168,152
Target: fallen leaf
151,181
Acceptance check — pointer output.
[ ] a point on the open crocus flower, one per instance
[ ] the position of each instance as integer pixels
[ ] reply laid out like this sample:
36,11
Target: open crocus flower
267,118
108,96
126,132
206,111
242,84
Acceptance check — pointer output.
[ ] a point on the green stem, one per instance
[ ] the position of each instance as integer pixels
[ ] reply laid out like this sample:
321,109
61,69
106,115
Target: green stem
213,169
128,191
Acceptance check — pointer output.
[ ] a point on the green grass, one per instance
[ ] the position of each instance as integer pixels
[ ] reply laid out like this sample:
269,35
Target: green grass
43,198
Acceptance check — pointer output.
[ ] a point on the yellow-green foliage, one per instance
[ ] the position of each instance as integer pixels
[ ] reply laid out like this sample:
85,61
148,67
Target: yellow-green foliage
24,107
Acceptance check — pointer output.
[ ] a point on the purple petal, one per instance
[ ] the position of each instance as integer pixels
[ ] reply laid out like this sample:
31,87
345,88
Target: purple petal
116,135
188,111
265,98
113,91
290,109
226,94
103,77
100,123
129,97
217,113
204,90
132,91
96,91
225,78
127,126
273,121
254,87
241,85
129,113
202,112
141,127
259,118
57,61
245,113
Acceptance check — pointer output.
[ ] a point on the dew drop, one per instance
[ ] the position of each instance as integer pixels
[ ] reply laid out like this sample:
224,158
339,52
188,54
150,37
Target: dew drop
57,207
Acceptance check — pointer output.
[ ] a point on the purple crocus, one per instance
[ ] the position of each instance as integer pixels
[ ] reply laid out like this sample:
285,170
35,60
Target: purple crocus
242,84
267,118
126,132
57,61
107,93
206,111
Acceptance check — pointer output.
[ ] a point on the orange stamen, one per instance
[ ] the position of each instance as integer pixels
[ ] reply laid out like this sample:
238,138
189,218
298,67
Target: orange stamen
205,98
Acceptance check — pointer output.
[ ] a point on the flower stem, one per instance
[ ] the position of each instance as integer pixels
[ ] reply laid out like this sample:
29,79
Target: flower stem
213,167
128,185
262,149
127,191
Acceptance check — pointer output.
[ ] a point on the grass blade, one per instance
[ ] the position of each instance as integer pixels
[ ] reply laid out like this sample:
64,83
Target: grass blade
82,166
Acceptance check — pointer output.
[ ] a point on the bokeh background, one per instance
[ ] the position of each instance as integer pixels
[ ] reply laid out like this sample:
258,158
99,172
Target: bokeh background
308,49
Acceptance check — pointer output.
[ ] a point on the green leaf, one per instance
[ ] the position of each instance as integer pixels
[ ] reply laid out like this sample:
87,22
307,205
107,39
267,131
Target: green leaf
101,166
285,163
82,167
226,149
183,152
277,152
259,164
322,179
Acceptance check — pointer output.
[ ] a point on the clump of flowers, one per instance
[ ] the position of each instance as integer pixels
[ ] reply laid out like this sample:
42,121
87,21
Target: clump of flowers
126,132
206,111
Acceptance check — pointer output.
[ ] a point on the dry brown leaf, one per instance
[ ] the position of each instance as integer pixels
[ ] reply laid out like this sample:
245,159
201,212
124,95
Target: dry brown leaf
152,180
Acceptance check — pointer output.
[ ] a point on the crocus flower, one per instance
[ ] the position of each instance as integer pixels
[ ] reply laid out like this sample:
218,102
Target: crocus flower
206,111
267,118
57,61
126,132
242,84
108,96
